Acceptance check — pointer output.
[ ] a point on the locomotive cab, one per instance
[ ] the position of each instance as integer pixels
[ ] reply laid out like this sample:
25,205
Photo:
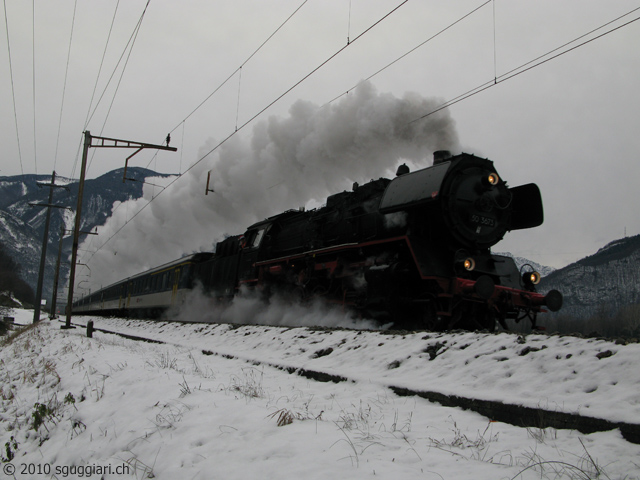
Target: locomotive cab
251,245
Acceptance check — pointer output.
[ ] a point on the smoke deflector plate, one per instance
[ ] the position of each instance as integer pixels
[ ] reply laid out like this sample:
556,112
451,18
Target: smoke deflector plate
527,207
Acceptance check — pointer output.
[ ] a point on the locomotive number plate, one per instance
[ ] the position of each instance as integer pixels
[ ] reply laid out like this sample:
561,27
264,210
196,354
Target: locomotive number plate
483,221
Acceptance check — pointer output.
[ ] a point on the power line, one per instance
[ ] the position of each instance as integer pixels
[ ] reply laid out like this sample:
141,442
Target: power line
482,86
410,51
124,68
532,64
13,93
64,86
349,23
95,87
495,53
104,53
33,69
181,149
132,40
238,104
316,69
239,68
115,69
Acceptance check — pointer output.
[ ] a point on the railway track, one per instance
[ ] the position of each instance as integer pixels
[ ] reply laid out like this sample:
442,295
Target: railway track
511,413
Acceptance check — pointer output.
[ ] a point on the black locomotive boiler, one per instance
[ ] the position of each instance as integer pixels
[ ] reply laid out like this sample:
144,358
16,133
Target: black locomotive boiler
414,251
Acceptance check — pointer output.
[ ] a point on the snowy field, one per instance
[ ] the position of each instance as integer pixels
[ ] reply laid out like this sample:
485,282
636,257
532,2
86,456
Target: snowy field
108,407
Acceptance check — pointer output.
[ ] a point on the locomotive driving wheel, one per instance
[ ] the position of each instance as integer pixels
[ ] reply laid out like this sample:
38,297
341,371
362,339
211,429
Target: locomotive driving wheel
476,316
429,319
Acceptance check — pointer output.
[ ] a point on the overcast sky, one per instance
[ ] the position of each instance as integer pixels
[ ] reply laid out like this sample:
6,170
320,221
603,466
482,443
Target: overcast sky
570,125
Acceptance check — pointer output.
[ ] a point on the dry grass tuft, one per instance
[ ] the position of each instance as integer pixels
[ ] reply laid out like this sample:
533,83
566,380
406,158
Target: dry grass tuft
285,417
9,339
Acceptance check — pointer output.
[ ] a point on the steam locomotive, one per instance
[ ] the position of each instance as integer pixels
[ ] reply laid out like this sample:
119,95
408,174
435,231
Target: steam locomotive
414,251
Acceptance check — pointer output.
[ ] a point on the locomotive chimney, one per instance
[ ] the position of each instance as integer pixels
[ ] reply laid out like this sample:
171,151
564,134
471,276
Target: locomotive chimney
440,156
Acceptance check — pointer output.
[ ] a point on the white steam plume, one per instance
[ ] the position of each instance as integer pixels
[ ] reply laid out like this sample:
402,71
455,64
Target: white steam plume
249,309
287,163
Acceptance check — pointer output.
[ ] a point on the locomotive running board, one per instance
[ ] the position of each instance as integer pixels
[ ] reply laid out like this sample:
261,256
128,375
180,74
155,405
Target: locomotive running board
333,248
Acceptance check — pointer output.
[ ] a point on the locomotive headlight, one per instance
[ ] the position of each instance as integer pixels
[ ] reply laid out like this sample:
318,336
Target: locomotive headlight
531,278
469,264
492,179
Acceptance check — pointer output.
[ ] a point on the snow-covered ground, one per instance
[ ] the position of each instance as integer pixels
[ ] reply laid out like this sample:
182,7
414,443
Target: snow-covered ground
186,410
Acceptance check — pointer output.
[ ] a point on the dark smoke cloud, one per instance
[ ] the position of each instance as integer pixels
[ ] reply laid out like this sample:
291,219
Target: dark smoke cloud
287,162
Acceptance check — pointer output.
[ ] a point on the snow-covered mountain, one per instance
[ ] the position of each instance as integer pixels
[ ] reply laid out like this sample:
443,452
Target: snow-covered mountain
601,285
521,261
19,239
610,277
22,225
